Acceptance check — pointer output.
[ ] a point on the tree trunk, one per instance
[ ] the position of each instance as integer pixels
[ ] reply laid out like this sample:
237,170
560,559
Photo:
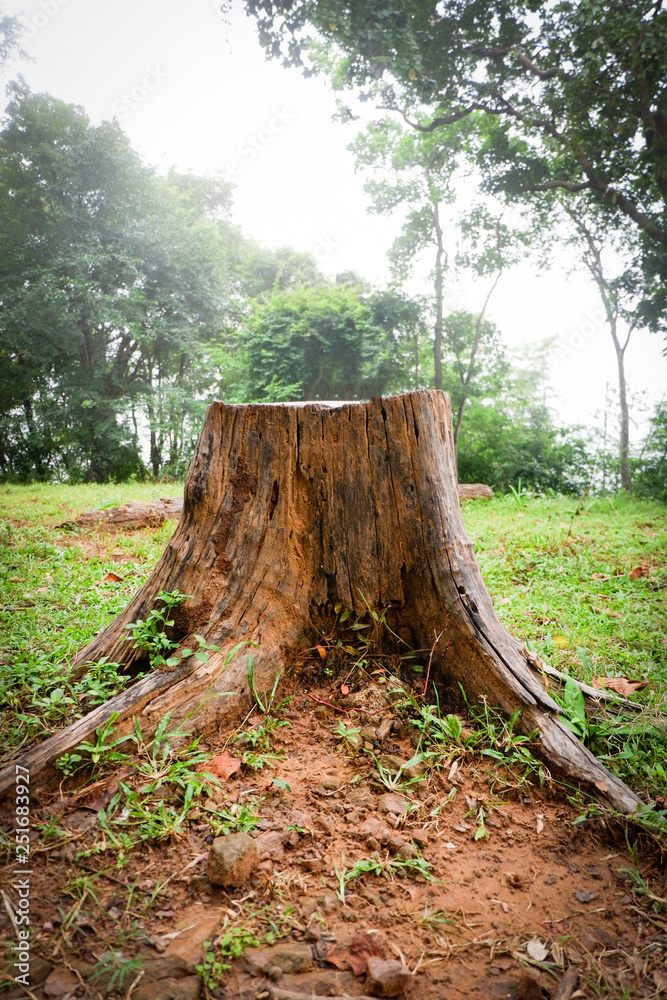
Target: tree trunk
624,436
292,508
439,305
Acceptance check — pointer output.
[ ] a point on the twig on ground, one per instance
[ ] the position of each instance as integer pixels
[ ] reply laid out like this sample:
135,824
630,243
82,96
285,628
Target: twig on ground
567,985
430,659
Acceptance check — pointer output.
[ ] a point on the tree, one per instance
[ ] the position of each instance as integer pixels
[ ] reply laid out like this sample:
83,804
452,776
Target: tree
510,439
576,92
420,171
611,291
292,513
477,367
109,279
328,342
10,37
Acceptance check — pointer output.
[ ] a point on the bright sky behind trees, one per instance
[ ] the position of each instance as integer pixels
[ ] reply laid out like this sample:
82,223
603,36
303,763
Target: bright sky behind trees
194,91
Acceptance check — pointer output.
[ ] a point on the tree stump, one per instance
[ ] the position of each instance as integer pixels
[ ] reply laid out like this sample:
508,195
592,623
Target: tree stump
292,508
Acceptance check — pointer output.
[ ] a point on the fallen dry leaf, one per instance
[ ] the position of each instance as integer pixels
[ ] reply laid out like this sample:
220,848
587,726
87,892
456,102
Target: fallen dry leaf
540,822
638,571
453,769
601,576
322,651
362,947
344,689
112,578
537,950
621,685
660,980
222,766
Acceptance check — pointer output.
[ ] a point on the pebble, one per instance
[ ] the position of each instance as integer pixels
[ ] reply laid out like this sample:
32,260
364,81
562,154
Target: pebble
392,803
232,859
387,978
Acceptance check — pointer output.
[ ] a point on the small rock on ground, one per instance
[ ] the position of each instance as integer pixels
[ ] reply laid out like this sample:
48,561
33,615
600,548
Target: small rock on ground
232,860
387,978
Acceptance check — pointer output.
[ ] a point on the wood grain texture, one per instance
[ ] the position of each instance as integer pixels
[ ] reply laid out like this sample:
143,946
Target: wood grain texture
289,509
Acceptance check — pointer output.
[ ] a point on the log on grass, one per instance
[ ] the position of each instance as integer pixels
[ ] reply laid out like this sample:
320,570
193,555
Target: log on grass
475,491
292,509
130,516
153,513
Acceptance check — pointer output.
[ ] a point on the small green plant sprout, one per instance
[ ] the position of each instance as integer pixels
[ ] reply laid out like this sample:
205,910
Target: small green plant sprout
349,735
376,866
442,731
233,941
574,709
100,753
636,882
150,635
264,703
481,830
396,782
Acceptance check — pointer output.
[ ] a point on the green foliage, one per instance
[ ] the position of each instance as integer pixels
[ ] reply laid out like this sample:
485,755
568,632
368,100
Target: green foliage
111,280
565,96
151,636
100,754
376,866
235,818
327,342
650,469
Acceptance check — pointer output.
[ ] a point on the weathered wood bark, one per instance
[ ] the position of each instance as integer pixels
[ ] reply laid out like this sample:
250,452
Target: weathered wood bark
292,508
475,491
153,513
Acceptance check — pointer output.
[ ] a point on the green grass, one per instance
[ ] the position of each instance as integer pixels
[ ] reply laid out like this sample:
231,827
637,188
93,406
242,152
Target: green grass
53,594
544,563
543,584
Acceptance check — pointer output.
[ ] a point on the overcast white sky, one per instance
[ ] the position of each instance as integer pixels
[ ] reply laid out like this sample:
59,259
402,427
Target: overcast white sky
196,93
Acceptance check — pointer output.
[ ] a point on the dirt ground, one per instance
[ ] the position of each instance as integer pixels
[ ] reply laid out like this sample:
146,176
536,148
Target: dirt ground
504,916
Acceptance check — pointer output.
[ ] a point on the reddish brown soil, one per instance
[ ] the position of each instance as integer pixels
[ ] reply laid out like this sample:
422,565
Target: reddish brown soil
465,935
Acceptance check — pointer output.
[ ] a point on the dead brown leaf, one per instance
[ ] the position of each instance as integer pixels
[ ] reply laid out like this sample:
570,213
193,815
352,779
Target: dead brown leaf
222,766
322,651
641,570
621,685
660,980
112,578
362,947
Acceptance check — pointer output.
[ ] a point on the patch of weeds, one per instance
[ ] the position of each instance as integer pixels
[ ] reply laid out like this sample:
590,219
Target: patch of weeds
398,782
258,737
257,929
438,920
494,736
98,754
117,971
376,866
238,817
151,634
632,746
135,814
637,884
